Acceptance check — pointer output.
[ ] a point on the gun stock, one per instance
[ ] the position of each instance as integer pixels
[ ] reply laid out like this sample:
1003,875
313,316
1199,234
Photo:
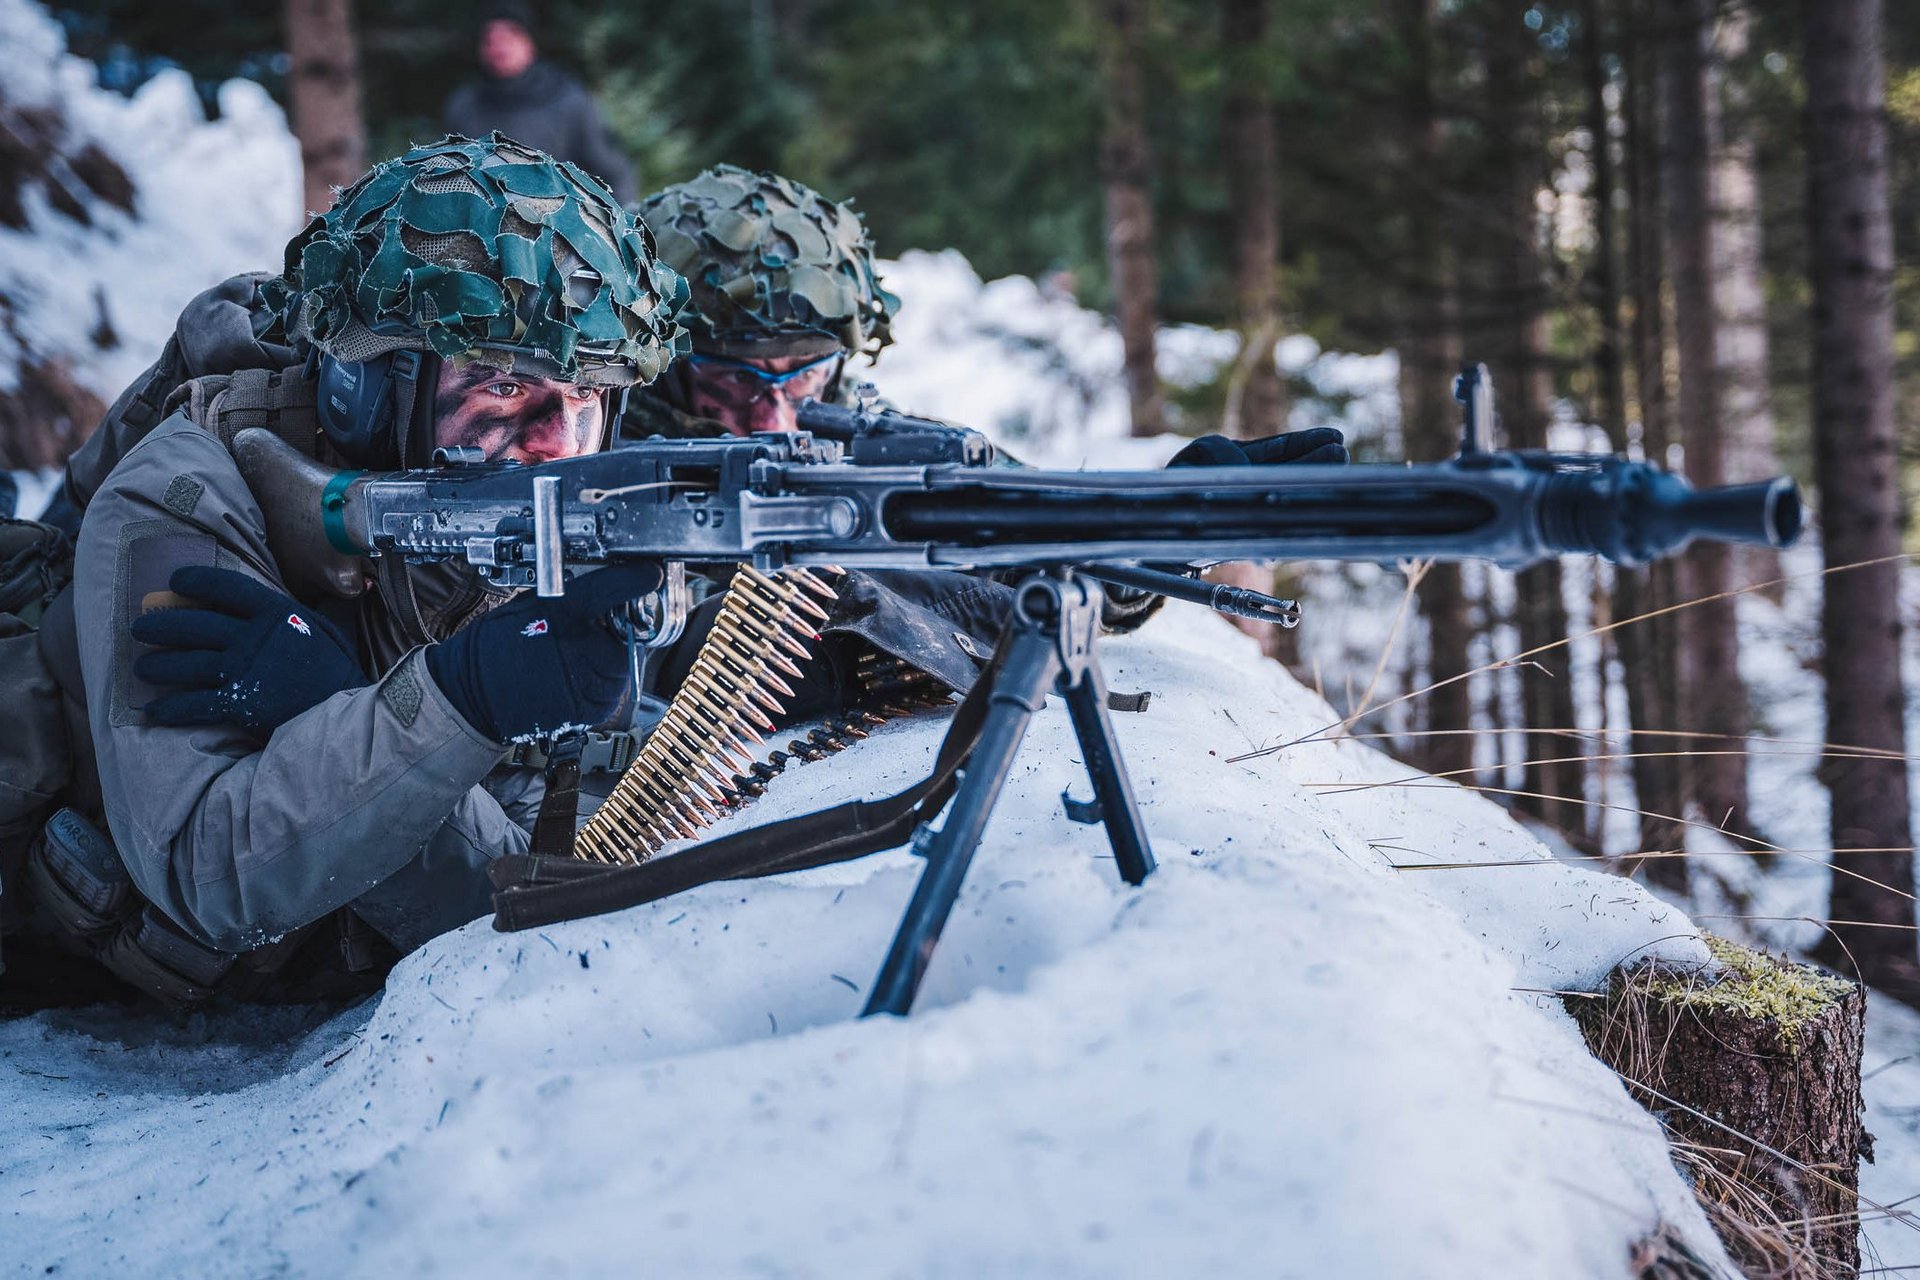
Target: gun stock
296,495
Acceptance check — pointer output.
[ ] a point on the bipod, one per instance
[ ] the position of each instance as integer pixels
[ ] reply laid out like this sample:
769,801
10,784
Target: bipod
1050,646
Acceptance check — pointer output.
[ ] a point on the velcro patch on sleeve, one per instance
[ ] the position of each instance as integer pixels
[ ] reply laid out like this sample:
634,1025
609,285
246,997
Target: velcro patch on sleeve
183,495
150,553
403,693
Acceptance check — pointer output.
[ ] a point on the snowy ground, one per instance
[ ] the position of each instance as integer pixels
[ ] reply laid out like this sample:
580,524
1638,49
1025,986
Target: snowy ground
211,199
1279,1057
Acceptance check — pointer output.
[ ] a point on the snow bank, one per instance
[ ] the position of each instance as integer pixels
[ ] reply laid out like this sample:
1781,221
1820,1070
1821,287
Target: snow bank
1280,1056
1041,374
212,198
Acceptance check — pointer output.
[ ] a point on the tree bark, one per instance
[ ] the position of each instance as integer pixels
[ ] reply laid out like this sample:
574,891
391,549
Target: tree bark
1429,352
1627,598
1256,401
1713,699
324,86
1520,288
1755,1060
1649,650
1126,169
1851,237
1740,283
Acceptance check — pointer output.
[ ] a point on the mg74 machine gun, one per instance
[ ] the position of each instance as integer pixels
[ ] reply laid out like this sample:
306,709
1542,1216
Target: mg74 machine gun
859,489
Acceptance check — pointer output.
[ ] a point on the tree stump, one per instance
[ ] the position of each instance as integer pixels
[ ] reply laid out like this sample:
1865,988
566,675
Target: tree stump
1753,1066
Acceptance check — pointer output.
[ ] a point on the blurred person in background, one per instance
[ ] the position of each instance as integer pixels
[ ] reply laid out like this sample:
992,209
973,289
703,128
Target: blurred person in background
533,101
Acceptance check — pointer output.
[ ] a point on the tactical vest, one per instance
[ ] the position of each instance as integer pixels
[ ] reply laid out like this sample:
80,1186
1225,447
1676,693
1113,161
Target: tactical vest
61,881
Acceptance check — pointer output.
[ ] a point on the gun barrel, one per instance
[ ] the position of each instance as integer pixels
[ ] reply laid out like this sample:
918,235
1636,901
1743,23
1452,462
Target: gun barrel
777,501
1766,514
1635,513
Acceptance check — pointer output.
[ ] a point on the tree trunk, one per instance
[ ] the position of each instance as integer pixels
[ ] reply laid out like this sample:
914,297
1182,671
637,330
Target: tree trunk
1752,1061
1851,237
1520,299
1714,701
1740,283
1649,650
324,86
1628,594
1603,281
1429,352
1256,401
1126,168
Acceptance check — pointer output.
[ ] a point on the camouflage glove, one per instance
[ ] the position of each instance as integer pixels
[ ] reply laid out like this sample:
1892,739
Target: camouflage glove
1316,444
252,656
539,665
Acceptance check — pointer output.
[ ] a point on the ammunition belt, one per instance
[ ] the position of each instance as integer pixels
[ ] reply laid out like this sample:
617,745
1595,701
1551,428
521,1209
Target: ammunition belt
677,783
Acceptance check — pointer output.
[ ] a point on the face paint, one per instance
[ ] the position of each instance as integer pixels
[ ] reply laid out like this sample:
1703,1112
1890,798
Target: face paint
515,418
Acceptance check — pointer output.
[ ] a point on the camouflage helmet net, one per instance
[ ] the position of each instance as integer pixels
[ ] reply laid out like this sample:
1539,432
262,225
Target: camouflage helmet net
774,267
485,250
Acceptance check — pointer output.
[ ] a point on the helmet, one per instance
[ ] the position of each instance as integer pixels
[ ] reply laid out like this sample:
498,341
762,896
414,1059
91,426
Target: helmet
775,268
464,250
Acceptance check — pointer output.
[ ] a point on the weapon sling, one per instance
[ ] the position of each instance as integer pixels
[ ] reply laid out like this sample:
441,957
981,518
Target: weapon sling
534,890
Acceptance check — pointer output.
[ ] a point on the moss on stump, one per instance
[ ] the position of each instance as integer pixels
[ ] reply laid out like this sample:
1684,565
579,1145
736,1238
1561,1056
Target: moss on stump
1753,1065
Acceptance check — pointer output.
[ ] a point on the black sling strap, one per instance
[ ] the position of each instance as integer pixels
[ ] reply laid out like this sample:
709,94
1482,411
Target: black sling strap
533,890
554,828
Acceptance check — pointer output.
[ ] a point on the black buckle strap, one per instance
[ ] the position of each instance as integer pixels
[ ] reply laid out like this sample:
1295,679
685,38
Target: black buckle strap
532,890
553,829
599,753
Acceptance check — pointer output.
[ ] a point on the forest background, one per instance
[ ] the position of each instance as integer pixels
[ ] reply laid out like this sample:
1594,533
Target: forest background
1690,223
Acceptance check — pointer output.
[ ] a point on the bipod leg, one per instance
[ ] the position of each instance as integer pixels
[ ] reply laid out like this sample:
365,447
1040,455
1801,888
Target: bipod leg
1031,666
1112,791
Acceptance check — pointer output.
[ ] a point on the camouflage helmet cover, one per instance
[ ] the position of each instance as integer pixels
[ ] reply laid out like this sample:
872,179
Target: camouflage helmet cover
774,267
487,250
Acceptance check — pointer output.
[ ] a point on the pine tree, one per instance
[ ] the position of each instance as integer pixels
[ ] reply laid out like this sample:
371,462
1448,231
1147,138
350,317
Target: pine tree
324,86
1850,233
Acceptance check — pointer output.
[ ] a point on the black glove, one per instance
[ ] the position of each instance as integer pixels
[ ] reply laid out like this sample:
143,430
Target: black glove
252,657
538,665
1316,444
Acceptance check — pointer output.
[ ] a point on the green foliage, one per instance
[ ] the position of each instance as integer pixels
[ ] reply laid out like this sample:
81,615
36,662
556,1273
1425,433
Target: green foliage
978,125
974,125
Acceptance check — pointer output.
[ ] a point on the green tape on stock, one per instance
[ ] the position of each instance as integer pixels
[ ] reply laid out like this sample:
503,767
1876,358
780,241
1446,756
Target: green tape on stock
333,512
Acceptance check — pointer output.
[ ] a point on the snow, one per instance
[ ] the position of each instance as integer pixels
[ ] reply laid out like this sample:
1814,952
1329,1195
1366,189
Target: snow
1279,1056
1312,1044
1041,374
211,199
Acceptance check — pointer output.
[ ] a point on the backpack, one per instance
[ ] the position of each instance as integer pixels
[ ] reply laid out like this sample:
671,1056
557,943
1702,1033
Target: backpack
225,369
36,751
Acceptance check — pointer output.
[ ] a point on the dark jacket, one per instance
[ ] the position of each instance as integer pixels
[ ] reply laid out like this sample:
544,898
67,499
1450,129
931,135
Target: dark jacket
543,107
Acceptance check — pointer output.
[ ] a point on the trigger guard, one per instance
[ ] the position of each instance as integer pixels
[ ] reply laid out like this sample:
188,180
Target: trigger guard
659,618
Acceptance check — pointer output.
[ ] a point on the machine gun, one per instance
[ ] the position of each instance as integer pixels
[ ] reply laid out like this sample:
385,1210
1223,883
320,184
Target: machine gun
895,494
860,488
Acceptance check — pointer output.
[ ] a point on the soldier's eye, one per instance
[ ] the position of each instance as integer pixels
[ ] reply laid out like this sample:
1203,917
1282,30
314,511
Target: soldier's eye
504,390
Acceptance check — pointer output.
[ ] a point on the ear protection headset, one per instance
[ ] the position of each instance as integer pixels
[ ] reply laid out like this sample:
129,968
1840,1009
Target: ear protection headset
379,413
